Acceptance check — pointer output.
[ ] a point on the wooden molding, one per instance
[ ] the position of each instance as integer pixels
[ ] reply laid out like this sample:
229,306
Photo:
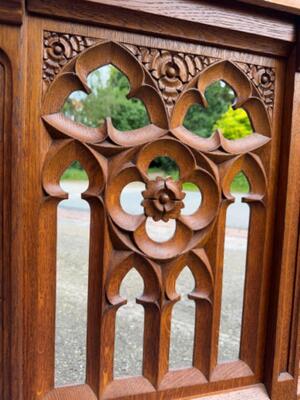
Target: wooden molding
11,11
289,6
257,392
199,21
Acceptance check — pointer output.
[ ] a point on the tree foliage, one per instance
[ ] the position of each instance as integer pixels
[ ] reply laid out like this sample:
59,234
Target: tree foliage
200,120
234,124
108,99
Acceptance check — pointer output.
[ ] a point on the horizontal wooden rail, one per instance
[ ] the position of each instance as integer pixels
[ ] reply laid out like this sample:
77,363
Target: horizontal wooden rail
203,21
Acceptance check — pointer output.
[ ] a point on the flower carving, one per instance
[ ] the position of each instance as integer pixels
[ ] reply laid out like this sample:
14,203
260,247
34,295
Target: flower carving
163,199
60,48
172,71
264,81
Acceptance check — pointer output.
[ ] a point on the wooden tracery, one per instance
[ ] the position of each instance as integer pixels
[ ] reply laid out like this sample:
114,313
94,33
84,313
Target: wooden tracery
119,241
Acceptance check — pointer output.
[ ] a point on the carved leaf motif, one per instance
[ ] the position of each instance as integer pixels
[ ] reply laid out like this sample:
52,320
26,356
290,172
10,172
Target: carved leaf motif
171,70
59,48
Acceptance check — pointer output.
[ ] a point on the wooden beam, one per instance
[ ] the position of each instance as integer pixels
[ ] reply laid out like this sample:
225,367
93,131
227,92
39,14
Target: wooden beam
289,6
11,11
215,15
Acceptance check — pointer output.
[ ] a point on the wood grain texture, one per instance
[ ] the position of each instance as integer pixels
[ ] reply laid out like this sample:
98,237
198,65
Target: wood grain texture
289,6
128,157
11,11
255,393
213,15
156,53
282,369
11,279
207,30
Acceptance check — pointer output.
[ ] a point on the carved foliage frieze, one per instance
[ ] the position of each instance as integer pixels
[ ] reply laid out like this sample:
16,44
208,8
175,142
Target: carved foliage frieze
171,70
59,48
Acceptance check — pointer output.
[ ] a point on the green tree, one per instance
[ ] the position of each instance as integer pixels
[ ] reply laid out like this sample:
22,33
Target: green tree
108,99
234,124
201,120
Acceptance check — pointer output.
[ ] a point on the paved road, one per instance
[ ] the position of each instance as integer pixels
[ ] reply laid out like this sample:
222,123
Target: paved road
238,214
73,232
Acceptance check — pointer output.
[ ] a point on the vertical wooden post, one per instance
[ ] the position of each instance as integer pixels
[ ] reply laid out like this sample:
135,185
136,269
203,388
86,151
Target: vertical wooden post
281,374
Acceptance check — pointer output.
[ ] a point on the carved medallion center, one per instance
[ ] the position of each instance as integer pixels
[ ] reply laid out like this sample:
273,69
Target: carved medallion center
163,199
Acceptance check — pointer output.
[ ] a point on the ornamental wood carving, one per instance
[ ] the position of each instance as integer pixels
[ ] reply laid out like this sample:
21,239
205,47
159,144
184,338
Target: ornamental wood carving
171,70
168,84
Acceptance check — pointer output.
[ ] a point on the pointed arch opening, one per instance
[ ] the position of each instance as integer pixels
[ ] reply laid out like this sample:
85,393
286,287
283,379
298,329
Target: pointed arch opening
219,113
108,99
183,323
234,270
129,328
73,227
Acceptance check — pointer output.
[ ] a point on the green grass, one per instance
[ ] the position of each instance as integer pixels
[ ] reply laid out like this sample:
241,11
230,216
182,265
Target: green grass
239,184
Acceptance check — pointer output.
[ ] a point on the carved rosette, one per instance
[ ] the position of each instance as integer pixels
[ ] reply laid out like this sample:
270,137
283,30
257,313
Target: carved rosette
163,199
264,81
171,70
59,48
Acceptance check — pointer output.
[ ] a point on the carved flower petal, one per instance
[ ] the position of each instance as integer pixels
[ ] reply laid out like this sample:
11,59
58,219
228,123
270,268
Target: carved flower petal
121,218
165,250
166,148
151,210
210,203
176,188
153,188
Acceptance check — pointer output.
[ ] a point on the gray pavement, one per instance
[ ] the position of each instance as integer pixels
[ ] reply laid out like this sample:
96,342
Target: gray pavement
73,237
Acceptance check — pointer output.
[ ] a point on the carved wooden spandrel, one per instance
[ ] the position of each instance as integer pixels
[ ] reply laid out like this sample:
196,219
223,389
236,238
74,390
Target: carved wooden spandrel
112,159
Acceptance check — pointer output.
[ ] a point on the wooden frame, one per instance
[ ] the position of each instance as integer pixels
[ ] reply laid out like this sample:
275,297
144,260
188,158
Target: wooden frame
53,47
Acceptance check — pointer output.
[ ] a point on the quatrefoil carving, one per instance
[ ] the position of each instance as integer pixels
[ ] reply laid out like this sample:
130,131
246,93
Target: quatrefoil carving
163,200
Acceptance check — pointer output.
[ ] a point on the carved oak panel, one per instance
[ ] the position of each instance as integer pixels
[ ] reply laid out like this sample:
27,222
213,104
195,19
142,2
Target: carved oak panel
168,83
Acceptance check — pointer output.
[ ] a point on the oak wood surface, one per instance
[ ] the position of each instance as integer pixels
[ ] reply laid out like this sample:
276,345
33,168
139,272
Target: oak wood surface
11,332
290,6
212,13
207,25
170,384
11,11
44,61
